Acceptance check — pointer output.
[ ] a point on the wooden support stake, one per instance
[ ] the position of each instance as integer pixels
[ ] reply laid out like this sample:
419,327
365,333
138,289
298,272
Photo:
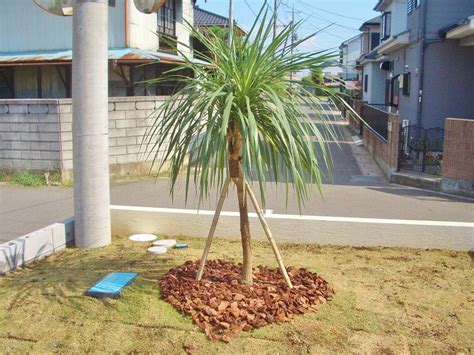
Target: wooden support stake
268,232
210,236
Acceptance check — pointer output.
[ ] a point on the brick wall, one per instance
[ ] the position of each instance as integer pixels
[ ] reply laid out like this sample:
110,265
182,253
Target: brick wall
458,156
37,134
354,121
385,151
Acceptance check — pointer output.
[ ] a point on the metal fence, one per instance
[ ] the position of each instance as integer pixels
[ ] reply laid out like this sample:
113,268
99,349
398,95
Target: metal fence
421,149
385,108
376,119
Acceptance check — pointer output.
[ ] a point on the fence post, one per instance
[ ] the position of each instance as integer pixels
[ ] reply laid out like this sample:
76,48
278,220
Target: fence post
423,161
400,145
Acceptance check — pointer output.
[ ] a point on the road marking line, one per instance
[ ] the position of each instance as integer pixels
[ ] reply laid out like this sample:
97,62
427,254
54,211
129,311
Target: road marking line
409,222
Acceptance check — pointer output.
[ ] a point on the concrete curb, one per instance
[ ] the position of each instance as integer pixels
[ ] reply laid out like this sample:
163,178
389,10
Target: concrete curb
36,245
363,232
357,232
428,183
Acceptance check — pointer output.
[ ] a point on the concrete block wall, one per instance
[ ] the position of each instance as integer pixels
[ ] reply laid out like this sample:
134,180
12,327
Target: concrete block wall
458,157
30,134
129,121
37,134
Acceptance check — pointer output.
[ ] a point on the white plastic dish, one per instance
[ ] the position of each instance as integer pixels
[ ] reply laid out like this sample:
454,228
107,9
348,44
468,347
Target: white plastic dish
157,250
142,237
167,243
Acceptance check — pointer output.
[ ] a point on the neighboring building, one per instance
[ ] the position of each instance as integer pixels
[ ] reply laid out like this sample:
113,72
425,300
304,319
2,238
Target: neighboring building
426,56
371,75
203,20
350,51
416,59
35,49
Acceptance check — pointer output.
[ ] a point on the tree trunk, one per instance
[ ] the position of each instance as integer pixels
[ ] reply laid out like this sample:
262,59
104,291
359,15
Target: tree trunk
237,176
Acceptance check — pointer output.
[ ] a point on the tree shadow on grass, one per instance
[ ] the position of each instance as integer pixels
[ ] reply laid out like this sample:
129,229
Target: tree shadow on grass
63,278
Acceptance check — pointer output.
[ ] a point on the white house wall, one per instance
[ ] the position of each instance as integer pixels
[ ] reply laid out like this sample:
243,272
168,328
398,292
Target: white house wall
26,27
376,84
182,31
351,52
142,29
398,8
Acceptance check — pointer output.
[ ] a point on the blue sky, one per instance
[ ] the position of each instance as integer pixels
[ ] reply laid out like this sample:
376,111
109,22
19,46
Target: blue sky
347,14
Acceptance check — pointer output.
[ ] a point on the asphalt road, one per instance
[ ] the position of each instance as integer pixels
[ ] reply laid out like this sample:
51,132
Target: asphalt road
356,189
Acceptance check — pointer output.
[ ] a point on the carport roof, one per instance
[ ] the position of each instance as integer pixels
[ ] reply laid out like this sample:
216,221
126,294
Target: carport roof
124,55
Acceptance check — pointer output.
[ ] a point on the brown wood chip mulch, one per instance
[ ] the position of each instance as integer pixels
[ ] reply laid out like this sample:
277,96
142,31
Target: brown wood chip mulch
222,307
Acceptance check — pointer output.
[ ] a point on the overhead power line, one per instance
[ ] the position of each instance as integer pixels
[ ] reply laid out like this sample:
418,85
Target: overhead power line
330,12
312,14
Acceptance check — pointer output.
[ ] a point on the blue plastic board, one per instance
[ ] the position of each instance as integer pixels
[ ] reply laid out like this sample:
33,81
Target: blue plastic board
111,285
180,246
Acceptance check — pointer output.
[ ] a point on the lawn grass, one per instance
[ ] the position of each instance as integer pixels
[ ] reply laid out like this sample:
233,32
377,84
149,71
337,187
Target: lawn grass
387,300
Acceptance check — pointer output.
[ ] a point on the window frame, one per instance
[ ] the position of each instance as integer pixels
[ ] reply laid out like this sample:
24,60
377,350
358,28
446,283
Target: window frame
406,84
366,82
163,20
371,44
386,25
166,23
412,5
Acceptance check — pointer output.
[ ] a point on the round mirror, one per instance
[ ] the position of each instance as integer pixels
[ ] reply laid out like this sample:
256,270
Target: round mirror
148,6
56,7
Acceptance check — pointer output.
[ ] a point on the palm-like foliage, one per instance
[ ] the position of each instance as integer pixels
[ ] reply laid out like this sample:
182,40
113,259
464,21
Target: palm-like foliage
242,116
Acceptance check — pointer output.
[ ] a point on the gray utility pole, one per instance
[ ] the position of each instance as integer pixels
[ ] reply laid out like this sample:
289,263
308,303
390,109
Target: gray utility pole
275,17
90,124
231,21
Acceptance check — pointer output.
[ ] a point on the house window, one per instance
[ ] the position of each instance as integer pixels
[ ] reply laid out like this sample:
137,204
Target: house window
366,82
374,40
167,26
386,24
412,4
406,84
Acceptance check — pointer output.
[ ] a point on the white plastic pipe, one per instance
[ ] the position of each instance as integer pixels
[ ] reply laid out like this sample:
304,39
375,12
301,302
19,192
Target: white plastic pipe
90,124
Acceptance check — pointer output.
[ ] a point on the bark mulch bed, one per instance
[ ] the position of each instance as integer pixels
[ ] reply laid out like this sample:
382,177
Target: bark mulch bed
222,307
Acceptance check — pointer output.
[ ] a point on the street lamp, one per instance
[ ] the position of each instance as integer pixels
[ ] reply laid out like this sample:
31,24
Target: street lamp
90,113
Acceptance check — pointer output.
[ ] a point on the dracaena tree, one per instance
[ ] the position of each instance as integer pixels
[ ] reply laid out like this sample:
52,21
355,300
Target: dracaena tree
241,117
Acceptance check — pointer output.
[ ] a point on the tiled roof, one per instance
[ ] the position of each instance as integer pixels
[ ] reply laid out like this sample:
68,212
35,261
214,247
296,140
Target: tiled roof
207,18
373,21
